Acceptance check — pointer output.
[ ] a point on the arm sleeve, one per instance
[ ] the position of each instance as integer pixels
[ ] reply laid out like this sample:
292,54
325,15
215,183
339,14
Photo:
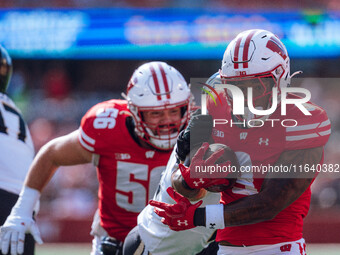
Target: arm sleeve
87,135
311,131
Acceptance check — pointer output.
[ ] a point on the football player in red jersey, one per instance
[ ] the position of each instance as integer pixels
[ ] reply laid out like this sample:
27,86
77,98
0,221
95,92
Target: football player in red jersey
263,213
129,141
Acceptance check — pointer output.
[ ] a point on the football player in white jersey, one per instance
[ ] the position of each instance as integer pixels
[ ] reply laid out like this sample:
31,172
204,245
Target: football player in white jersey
17,149
159,238
151,236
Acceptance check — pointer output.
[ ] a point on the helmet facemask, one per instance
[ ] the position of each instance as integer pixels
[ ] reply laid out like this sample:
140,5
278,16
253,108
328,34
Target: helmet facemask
162,136
259,89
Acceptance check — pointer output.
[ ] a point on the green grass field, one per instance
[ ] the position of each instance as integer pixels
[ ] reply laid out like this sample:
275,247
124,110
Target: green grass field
63,248
323,249
82,249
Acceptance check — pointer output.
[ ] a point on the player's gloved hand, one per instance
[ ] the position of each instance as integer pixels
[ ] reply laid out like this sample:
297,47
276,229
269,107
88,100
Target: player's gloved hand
198,130
198,161
20,222
179,216
13,233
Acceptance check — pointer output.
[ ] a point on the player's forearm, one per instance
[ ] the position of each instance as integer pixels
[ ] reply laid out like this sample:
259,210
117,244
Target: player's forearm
62,151
42,168
276,195
247,210
277,192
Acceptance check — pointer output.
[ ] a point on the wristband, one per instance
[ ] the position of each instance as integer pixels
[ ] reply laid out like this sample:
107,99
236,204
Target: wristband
27,200
214,216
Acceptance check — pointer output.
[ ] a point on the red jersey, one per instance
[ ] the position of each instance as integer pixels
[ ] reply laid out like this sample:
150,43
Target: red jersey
263,146
128,174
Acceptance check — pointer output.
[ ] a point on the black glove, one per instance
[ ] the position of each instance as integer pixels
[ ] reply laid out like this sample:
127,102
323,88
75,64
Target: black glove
110,246
197,132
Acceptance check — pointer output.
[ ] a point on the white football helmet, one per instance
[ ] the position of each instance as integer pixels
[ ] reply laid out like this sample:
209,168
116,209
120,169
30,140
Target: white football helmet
157,86
256,54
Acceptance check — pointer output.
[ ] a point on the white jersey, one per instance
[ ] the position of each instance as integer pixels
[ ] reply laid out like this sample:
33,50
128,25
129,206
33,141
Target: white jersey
17,149
159,238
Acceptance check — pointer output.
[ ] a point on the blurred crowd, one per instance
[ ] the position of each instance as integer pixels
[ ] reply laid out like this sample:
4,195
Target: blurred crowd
245,4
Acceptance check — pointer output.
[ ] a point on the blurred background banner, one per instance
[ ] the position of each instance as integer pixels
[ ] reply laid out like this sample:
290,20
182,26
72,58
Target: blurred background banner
168,33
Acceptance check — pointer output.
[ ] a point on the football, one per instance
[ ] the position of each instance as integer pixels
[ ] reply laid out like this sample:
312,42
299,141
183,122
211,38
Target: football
228,154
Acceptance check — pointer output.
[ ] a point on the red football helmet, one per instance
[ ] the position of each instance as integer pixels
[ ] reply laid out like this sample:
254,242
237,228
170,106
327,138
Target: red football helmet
157,86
